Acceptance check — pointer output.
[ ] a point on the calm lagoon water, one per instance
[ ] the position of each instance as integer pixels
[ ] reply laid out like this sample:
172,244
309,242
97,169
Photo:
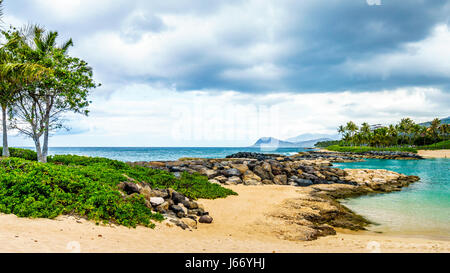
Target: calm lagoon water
422,209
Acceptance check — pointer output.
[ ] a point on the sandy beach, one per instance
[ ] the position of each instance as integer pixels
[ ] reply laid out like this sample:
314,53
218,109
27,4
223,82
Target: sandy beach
434,153
242,223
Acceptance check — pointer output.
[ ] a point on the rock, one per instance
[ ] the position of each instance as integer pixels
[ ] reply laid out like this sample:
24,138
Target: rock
208,172
128,187
222,179
241,167
179,223
190,222
234,180
261,172
205,219
178,197
156,201
214,181
148,193
163,208
303,182
280,179
267,182
249,175
178,210
231,172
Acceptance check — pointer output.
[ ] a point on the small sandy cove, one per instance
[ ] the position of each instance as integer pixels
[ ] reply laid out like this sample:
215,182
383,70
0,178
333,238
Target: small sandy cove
434,153
241,224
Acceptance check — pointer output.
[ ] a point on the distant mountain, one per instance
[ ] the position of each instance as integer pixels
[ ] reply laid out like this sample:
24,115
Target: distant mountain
309,137
443,121
273,142
268,142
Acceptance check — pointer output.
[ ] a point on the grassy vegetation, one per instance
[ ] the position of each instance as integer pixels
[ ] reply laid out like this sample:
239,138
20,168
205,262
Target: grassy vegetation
437,146
362,149
21,153
87,187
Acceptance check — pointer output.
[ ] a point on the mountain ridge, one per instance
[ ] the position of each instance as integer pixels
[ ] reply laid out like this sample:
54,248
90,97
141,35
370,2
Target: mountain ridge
274,142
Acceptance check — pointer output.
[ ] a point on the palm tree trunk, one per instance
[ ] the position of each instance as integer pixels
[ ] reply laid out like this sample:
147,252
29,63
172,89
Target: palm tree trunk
5,151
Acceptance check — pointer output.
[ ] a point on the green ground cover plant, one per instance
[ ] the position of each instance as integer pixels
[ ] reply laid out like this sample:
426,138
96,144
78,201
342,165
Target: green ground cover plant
87,187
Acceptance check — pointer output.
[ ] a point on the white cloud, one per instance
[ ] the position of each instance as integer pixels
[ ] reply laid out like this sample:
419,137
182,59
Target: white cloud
140,115
429,57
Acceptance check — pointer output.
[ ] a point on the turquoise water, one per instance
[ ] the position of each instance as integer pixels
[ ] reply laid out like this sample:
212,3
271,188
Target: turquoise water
164,153
422,209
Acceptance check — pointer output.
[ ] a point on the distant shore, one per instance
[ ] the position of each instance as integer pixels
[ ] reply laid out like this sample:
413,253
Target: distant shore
434,153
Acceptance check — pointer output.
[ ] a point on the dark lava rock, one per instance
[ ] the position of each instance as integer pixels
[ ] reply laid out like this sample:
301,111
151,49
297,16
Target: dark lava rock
205,219
129,187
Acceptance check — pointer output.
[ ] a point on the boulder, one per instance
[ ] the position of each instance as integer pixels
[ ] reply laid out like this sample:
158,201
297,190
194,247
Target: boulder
221,179
205,219
280,179
177,197
128,187
241,167
303,182
234,180
231,172
156,201
163,208
190,222
261,172
251,178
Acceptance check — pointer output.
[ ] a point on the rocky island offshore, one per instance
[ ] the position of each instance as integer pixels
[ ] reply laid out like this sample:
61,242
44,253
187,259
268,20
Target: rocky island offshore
314,212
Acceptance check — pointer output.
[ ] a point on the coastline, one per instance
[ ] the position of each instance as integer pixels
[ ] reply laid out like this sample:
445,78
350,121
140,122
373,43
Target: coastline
234,230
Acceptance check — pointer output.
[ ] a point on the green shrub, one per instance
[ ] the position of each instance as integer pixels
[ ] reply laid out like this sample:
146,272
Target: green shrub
192,185
32,189
87,187
362,149
21,153
85,161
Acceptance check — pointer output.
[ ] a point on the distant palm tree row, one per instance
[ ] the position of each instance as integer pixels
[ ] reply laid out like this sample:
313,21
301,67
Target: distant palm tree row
406,132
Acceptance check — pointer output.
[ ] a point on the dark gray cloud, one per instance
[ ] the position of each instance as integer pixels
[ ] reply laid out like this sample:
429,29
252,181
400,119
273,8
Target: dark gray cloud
253,46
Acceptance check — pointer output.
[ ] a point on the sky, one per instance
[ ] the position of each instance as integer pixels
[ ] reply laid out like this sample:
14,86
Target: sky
224,73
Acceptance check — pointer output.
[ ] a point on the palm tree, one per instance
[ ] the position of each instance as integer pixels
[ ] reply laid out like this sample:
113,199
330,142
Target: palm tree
352,128
444,130
36,45
365,131
14,74
434,129
393,134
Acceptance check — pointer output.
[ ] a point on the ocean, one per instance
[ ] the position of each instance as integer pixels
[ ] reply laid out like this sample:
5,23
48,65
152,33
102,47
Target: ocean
422,209
163,153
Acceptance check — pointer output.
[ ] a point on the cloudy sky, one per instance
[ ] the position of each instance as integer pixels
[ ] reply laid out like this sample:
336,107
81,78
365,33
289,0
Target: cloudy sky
224,73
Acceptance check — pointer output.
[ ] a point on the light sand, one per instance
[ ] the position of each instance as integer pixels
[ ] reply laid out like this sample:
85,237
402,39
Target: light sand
434,153
241,224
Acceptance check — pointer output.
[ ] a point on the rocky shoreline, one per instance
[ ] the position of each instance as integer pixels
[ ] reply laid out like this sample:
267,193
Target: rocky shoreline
317,209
